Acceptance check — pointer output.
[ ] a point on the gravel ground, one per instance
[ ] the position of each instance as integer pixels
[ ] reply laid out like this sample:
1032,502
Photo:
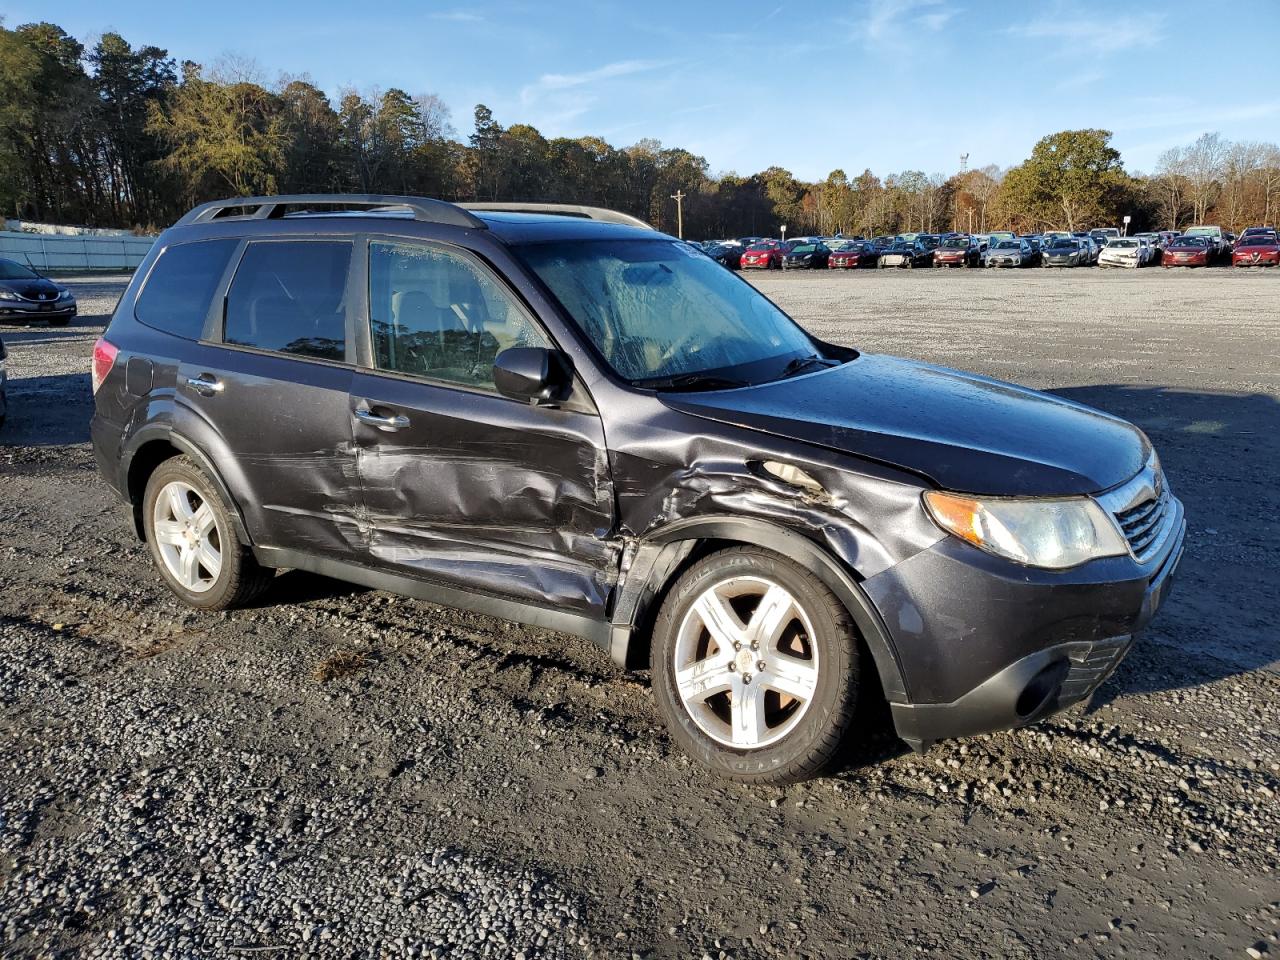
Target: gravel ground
339,772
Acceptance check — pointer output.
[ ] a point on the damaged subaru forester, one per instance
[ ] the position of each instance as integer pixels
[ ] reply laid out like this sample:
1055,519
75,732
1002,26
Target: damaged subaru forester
558,415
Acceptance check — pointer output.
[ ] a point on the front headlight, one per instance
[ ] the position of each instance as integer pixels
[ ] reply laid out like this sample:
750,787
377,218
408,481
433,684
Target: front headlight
7,294
64,295
1054,534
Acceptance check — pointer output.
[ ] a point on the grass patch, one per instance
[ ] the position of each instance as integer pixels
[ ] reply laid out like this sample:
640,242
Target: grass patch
340,664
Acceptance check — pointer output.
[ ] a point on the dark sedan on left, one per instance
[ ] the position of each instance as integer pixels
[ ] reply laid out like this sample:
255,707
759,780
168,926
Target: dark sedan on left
25,295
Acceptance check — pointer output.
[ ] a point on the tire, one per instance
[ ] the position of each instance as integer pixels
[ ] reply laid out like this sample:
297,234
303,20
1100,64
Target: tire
791,738
237,578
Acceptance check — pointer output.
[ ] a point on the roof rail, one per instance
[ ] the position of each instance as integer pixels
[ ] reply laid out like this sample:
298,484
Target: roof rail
270,208
562,210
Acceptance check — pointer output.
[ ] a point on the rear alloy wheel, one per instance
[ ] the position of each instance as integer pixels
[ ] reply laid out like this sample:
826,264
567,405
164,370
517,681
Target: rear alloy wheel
755,666
193,540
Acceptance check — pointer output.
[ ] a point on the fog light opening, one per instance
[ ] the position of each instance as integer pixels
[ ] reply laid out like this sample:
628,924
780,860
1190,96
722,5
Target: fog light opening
1041,691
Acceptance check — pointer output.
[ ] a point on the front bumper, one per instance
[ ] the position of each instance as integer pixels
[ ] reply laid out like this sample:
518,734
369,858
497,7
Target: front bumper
36,310
986,645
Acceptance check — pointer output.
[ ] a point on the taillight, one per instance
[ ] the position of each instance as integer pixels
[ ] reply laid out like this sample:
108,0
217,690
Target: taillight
104,358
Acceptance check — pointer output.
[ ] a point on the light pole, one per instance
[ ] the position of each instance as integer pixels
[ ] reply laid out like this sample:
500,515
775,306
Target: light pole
678,197
784,233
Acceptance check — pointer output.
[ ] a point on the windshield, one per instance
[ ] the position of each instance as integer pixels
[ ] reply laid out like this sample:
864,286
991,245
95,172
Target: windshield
1203,232
1191,241
1258,240
10,270
1062,245
762,247
955,243
804,248
1122,244
654,310
1008,245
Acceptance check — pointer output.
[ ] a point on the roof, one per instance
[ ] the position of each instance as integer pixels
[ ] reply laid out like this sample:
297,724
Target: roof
513,222
544,227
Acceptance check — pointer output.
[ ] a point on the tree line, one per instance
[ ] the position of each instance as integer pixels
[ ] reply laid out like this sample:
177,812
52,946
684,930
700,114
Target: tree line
124,136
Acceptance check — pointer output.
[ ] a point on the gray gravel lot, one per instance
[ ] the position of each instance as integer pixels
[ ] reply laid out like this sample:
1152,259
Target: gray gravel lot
180,784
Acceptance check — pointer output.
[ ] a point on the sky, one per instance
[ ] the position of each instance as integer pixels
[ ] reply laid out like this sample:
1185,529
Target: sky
888,85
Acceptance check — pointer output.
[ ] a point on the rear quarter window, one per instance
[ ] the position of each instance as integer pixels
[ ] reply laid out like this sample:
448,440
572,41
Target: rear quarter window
176,296
291,297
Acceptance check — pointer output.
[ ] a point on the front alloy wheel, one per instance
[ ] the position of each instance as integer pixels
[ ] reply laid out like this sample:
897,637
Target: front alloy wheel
746,667
755,666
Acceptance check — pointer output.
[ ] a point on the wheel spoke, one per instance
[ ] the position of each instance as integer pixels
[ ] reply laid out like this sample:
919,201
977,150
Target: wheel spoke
209,558
770,617
179,506
721,622
203,519
749,726
791,676
188,567
703,679
170,532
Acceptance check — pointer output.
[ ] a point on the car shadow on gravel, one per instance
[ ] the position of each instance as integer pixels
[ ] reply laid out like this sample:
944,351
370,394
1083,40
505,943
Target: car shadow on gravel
300,586
1220,451
50,411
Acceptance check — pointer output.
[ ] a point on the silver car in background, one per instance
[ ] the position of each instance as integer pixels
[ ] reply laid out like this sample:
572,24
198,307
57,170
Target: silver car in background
1010,253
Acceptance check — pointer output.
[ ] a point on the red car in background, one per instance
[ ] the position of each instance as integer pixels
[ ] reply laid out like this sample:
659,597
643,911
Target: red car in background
766,255
1256,250
1188,252
859,253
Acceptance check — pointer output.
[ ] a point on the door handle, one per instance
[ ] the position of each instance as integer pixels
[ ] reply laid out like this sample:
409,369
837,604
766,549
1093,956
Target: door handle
390,423
206,385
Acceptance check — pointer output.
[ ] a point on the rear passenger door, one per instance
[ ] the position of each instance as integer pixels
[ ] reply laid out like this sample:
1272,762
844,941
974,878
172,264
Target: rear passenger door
463,486
268,390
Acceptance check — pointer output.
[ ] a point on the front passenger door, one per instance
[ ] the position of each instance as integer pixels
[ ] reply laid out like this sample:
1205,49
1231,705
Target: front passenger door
462,486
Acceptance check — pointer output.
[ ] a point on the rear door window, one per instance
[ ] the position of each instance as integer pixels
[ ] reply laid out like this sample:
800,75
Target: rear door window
176,296
290,297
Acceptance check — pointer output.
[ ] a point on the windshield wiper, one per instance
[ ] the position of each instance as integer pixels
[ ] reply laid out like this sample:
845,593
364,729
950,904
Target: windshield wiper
797,364
686,381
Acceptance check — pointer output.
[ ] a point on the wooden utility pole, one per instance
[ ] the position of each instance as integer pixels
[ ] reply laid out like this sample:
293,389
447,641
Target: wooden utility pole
678,197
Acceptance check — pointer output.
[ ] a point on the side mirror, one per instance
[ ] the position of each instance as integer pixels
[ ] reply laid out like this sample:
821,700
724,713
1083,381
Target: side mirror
533,374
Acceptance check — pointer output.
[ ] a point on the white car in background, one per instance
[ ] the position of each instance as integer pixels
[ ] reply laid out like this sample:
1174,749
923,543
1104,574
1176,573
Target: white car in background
1125,252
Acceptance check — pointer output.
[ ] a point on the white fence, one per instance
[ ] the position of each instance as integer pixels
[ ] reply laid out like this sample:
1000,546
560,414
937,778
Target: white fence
49,254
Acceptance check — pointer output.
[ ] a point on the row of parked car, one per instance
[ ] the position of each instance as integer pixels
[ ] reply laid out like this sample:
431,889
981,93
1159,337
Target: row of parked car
1103,247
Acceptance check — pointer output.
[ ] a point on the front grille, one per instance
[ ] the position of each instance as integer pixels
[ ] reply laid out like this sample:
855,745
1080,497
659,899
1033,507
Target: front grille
1091,664
1144,510
1142,524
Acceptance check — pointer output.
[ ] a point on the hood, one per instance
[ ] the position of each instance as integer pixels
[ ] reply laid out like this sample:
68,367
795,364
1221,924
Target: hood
38,289
964,432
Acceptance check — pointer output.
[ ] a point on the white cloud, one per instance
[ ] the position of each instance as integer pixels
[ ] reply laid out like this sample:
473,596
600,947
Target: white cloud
887,18
555,100
457,16
550,82
1107,35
